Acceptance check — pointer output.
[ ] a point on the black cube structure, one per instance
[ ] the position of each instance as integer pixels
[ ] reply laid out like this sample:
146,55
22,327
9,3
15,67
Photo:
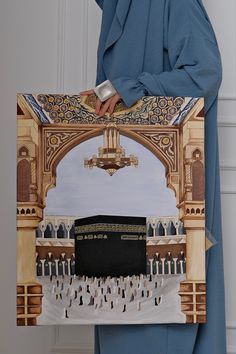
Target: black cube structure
107,245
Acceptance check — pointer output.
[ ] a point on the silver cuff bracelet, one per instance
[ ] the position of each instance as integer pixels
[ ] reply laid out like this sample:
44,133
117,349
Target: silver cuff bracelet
105,90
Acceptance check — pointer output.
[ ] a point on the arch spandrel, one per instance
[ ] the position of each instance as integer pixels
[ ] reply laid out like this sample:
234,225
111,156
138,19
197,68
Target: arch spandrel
163,143
58,141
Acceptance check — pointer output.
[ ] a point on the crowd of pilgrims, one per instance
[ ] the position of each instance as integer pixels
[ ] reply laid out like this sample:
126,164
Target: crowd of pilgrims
116,293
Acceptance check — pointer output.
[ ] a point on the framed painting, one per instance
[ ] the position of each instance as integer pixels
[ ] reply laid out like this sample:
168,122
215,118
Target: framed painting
110,211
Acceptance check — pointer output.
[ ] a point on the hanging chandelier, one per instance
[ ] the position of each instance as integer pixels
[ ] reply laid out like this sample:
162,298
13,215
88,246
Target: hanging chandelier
111,157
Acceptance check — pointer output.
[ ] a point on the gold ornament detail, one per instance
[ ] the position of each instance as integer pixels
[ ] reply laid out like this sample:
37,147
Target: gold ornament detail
75,109
110,228
166,144
111,156
91,102
54,141
166,141
188,177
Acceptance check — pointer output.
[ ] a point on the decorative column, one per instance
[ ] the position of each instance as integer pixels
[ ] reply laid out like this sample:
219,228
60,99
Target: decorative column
29,291
192,213
29,214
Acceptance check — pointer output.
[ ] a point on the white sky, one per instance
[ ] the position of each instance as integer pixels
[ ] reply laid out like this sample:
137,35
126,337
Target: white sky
134,191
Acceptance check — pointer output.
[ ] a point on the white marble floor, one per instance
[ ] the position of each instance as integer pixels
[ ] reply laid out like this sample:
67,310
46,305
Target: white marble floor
131,300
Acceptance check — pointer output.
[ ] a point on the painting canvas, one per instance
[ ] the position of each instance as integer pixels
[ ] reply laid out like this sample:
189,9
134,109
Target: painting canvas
110,211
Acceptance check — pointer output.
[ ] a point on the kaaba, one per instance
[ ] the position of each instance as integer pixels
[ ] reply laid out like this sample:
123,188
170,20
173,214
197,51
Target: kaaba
107,245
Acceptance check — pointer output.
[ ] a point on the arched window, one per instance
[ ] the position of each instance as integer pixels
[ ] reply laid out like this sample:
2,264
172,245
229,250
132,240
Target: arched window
160,231
23,181
49,231
72,231
61,232
171,230
149,230
23,151
198,191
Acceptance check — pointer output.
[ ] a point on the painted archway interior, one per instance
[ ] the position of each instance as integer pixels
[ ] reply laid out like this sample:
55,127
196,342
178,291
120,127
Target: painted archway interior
130,191
49,126
148,139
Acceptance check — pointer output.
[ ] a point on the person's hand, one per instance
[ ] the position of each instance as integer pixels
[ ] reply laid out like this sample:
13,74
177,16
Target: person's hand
102,107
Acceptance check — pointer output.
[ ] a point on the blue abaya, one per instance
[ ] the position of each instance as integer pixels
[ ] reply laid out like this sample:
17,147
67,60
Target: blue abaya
168,47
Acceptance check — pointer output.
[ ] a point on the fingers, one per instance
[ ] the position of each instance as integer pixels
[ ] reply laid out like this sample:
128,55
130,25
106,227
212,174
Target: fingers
104,107
86,93
113,102
98,106
108,106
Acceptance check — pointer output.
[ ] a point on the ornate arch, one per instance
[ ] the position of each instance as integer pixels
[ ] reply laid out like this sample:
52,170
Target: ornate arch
58,141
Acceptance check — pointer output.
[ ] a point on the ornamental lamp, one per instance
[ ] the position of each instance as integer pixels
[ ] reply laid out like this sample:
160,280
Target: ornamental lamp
111,156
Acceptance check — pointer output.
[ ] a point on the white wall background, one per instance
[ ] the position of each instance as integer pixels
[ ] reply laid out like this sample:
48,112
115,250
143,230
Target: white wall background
50,46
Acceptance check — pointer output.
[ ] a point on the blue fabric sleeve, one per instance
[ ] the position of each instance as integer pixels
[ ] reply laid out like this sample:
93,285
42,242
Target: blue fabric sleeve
197,72
194,58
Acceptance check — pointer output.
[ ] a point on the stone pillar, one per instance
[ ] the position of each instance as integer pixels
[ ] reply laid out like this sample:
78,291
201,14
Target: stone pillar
26,246
192,213
195,267
29,291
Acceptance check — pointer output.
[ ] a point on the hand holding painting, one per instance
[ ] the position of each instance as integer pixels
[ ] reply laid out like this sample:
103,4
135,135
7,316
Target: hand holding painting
110,98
